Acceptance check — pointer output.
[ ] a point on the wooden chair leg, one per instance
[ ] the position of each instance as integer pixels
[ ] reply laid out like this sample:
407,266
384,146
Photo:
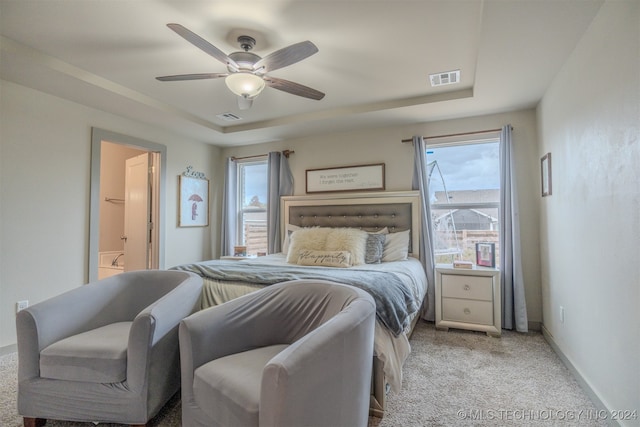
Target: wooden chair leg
39,422
34,422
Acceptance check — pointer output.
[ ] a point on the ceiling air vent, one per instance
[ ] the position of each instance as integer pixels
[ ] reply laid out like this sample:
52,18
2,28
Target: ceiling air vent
445,78
228,117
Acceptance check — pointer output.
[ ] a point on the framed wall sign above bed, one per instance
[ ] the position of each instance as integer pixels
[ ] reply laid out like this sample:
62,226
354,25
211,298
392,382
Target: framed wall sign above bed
345,178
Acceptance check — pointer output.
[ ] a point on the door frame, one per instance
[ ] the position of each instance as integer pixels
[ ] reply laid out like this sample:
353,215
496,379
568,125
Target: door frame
97,136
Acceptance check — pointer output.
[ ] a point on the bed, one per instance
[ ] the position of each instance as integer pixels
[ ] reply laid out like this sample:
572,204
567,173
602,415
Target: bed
398,283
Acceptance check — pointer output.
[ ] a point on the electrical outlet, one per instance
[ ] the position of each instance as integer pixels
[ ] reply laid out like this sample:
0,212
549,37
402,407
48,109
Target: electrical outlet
561,314
21,305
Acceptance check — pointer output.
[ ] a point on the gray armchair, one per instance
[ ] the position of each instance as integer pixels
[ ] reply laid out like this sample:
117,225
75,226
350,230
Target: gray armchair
297,353
107,351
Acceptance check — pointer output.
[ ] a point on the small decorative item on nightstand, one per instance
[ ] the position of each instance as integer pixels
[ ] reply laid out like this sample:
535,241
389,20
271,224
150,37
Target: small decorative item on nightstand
462,264
486,254
239,251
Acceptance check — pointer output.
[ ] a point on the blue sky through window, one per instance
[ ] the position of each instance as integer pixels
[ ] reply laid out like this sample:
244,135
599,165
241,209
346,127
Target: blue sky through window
255,182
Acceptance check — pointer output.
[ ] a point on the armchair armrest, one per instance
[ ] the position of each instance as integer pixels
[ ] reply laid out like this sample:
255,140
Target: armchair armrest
157,321
298,384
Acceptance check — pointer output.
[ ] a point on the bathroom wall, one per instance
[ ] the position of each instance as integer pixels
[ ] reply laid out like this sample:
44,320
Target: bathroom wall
112,180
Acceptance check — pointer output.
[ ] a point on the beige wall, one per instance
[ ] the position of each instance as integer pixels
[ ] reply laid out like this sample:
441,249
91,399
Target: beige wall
590,227
382,145
45,145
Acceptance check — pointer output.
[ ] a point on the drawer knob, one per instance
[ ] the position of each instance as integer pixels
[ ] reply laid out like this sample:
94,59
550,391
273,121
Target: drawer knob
467,287
467,311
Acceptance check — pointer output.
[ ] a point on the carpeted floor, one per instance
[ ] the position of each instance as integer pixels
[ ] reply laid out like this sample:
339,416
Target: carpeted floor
454,378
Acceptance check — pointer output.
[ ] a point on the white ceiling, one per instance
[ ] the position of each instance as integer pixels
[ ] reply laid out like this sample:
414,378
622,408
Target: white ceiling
373,62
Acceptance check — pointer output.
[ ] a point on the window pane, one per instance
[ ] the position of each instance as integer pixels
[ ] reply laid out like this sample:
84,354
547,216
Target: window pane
464,191
255,232
252,197
253,184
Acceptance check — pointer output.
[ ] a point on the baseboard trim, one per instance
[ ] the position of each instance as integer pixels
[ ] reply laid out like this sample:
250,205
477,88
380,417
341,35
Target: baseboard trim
8,349
591,394
534,326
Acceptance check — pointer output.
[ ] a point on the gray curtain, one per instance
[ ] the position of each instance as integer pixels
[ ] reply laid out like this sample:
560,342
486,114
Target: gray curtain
229,214
280,184
421,183
514,308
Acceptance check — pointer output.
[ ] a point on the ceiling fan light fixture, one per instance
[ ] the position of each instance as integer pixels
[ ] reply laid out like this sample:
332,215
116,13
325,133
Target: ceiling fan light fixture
245,84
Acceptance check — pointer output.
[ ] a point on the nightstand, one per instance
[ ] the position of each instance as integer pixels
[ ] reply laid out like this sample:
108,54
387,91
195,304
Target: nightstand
468,299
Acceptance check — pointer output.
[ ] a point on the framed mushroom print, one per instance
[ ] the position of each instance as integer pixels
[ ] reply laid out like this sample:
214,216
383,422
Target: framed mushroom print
194,202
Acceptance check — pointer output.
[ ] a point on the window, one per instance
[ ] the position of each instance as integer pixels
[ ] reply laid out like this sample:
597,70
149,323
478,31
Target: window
252,205
464,191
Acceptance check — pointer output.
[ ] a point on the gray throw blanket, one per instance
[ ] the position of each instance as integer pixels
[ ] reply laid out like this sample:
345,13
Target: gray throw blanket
394,301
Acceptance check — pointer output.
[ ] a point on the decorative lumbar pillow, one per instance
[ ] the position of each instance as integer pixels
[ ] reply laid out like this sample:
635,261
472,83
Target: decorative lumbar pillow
348,239
396,246
374,248
312,238
325,258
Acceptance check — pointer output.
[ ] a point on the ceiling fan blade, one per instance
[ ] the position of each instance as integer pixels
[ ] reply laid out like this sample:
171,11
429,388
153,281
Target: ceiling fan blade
293,88
204,45
200,76
285,56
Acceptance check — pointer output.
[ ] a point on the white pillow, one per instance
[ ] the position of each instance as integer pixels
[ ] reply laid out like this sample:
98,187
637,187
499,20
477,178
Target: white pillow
396,246
384,230
325,258
348,239
289,229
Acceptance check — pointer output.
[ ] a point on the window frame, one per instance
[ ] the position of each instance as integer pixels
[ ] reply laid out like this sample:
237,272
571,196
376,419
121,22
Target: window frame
241,211
461,141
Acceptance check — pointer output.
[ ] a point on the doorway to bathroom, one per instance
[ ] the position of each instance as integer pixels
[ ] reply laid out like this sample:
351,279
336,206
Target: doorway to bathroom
127,198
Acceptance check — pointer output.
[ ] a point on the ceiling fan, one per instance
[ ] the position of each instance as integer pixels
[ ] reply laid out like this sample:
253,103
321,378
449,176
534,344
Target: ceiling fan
247,75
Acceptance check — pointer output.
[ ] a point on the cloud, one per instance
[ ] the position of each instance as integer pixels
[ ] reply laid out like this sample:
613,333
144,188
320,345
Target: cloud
465,167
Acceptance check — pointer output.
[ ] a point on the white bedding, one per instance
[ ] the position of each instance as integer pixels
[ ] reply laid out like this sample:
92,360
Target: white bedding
392,351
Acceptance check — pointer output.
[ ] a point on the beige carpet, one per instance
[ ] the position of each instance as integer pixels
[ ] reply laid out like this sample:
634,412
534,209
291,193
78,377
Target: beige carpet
455,378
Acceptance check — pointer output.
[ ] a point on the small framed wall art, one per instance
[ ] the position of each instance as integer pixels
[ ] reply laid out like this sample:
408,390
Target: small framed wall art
545,174
346,178
194,200
486,254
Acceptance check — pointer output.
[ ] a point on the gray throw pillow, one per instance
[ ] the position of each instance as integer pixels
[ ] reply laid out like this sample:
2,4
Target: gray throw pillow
374,248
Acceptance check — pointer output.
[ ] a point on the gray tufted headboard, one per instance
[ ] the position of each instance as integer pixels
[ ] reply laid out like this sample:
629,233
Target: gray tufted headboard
398,211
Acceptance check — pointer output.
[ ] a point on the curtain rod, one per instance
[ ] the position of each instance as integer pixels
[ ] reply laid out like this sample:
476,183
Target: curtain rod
285,153
455,134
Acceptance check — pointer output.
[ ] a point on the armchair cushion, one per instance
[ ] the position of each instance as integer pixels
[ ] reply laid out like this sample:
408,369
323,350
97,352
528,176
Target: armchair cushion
97,356
231,385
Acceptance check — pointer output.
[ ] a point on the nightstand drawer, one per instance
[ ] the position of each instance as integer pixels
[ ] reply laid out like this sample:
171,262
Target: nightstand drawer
468,287
468,311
